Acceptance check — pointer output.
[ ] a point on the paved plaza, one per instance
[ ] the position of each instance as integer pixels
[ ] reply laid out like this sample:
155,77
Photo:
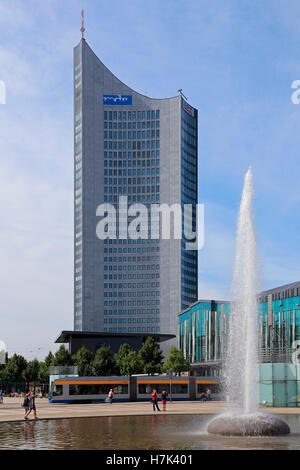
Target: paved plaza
12,410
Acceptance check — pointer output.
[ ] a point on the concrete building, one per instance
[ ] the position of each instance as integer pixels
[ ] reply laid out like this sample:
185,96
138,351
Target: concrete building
127,144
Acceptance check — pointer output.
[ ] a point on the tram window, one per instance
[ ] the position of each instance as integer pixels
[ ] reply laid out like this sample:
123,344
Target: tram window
179,388
201,388
98,389
148,388
176,388
58,390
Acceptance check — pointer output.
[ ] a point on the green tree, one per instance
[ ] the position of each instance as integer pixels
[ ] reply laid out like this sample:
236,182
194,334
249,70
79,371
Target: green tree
104,362
128,361
31,372
132,364
83,359
44,373
150,356
14,369
62,357
49,359
2,368
176,361
44,369
121,355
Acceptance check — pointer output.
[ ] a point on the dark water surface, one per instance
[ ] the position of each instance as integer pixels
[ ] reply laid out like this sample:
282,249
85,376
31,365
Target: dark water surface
181,432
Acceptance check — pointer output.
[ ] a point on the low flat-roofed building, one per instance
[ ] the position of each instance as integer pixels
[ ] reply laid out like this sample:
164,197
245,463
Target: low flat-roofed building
93,340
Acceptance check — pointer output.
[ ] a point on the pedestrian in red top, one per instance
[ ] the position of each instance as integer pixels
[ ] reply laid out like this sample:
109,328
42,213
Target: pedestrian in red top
154,400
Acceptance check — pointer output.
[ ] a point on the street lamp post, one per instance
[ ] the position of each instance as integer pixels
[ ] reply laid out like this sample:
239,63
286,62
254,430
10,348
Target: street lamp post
170,374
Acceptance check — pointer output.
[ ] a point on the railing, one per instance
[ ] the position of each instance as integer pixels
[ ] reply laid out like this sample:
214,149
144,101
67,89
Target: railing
263,354
275,354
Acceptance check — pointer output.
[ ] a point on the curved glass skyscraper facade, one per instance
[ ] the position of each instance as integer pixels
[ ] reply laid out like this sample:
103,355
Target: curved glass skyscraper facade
131,146
189,169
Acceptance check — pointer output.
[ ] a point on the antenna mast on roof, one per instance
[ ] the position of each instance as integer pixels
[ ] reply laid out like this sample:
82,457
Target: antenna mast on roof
82,29
180,91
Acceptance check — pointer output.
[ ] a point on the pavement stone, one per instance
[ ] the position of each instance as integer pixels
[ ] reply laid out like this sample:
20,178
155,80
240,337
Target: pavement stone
11,409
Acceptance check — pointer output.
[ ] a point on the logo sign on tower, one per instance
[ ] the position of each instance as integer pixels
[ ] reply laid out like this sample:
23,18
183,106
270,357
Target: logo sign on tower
117,100
188,108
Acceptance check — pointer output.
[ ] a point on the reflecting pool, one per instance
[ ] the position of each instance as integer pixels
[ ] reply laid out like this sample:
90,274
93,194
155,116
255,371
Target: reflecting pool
172,432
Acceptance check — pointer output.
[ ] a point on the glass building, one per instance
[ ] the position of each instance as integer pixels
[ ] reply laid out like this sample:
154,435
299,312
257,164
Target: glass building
204,329
127,144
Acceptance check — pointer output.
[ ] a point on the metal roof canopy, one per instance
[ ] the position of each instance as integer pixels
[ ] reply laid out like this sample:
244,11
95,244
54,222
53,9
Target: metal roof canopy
65,335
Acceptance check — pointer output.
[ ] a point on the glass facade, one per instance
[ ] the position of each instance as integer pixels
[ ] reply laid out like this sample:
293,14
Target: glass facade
189,187
131,268
279,328
279,385
204,327
203,330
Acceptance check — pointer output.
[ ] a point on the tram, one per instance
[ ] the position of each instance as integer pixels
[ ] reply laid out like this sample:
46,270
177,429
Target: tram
134,388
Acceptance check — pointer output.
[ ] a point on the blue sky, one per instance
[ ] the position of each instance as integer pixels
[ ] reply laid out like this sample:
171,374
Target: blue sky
234,59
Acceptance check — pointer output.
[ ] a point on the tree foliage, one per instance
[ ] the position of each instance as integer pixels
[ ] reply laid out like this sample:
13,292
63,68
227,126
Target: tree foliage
62,357
14,369
176,361
83,359
44,372
104,362
132,364
31,372
121,355
128,360
49,359
150,356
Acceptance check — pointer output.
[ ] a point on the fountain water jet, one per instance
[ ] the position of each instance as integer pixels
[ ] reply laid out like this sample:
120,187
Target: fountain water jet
241,360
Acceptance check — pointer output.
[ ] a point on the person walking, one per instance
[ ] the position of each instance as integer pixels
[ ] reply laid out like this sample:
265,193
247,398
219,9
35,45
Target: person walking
26,403
110,395
154,400
164,395
31,406
1,397
208,394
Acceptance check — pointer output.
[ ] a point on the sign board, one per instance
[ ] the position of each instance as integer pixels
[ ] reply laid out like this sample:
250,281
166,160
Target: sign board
117,100
188,108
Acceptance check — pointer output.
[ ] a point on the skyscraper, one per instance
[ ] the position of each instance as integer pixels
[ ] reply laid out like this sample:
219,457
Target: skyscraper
127,144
